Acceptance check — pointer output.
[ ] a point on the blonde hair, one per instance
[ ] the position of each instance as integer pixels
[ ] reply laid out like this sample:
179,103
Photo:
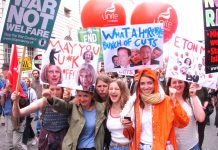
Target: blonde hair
89,69
44,77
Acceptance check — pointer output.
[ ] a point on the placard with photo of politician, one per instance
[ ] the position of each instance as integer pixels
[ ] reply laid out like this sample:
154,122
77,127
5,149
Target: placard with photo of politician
145,52
124,55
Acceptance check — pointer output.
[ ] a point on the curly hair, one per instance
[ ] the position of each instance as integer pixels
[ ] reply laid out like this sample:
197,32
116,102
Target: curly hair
124,93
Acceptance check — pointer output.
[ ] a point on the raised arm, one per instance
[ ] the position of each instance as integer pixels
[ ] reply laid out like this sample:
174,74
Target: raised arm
33,107
57,103
196,104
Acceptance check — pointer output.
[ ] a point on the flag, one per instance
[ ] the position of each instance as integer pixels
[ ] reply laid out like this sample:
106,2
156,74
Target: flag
13,72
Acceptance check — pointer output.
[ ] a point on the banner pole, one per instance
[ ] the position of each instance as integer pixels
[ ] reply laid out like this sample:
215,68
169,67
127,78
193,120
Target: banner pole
15,119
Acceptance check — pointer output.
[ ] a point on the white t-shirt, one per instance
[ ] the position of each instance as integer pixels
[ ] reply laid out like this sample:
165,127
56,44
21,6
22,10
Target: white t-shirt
187,137
115,126
146,131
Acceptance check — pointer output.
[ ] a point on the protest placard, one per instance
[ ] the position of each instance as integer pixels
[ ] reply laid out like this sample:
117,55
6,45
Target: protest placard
29,22
70,64
91,35
27,64
210,9
187,62
127,48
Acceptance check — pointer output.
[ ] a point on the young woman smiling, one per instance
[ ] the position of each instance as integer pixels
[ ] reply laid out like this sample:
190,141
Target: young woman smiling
154,117
118,95
86,131
187,138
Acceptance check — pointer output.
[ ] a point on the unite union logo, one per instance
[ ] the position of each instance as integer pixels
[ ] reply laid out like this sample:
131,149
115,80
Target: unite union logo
164,18
110,14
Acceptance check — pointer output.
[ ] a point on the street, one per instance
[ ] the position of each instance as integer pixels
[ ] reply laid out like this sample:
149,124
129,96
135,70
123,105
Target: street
210,139
3,145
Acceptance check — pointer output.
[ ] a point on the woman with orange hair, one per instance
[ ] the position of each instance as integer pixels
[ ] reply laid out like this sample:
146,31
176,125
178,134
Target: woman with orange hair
155,117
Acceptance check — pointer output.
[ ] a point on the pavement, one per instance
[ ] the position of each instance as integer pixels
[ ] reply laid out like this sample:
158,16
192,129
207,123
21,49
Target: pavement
211,135
210,139
3,144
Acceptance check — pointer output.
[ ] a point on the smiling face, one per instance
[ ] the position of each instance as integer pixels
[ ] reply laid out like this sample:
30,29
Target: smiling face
179,85
124,58
114,92
135,56
53,75
84,98
146,85
145,53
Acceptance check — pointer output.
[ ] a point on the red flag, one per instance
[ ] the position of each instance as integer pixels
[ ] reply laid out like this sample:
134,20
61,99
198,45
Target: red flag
13,72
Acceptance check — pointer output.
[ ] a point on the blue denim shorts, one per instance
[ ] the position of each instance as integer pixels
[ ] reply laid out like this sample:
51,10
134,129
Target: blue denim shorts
145,147
119,148
196,147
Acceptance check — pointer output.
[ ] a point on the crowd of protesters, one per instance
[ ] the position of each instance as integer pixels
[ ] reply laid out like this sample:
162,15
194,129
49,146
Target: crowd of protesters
144,112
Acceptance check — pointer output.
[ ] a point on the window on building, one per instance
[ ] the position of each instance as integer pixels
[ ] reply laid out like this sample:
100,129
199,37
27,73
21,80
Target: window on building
7,52
30,52
67,12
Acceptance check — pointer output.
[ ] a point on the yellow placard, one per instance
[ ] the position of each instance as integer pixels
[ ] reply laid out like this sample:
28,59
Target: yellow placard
27,64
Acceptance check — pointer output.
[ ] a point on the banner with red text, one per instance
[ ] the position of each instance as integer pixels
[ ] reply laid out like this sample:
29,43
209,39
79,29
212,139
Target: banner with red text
210,9
70,64
187,62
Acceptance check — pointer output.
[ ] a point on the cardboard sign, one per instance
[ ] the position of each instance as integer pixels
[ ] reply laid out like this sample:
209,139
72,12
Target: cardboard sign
28,22
91,35
67,58
187,62
128,48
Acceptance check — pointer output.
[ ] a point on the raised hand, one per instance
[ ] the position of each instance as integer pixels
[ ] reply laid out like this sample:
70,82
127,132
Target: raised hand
15,96
172,92
47,94
192,89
